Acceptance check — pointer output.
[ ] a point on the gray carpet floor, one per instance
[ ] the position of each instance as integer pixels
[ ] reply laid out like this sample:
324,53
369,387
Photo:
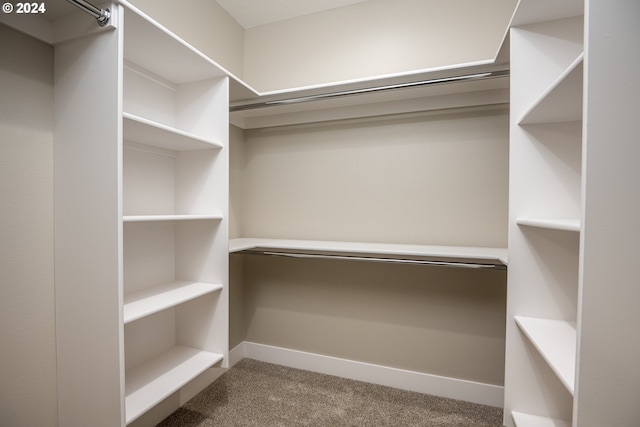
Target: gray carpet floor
254,393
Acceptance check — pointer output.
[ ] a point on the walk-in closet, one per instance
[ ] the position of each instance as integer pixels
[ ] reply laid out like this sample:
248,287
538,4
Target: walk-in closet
433,196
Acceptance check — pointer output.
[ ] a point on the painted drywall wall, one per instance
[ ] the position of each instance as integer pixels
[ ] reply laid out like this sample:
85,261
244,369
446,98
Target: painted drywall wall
372,38
423,178
441,321
205,25
27,313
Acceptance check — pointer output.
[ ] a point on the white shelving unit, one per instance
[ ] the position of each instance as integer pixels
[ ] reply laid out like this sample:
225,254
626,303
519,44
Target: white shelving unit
573,229
144,152
547,58
174,202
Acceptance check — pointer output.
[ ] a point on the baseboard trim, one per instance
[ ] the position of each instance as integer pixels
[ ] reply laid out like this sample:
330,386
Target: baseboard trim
470,391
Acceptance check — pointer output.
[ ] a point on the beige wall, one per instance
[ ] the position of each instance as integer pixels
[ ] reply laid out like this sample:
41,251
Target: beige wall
424,178
441,321
205,25
373,38
27,314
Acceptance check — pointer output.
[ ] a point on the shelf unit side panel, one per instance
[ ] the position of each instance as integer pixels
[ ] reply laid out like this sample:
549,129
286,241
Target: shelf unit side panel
149,180
608,384
197,182
149,255
546,165
88,264
147,337
202,255
544,273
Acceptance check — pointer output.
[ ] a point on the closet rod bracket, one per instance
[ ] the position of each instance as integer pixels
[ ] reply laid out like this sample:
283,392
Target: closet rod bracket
102,15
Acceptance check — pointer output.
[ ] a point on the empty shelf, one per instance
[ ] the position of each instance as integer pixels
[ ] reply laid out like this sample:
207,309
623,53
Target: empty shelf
472,256
148,301
526,420
553,224
147,218
155,380
562,101
555,340
178,61
156,134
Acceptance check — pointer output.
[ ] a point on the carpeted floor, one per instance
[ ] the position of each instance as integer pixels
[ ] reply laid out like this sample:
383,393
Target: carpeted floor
261,394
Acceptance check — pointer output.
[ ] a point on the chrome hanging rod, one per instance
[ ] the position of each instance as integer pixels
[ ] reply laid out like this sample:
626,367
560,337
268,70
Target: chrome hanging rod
378,259
323,96
101,15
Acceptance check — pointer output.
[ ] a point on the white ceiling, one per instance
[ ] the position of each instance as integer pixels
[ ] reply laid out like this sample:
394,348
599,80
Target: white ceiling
253,13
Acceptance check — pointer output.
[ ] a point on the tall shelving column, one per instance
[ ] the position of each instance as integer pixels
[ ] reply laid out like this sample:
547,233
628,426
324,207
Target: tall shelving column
88,230
175,210
547,57
141,221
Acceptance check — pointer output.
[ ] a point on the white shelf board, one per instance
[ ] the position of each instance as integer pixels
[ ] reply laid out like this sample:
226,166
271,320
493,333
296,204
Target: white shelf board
466,253
153,47
555,340
527,420
562,101
532,12
149,301
187,217
150,383
550,223
148,132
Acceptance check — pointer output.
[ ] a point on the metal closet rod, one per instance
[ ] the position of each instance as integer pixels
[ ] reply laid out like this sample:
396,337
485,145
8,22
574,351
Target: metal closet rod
323,96
378,259
101,15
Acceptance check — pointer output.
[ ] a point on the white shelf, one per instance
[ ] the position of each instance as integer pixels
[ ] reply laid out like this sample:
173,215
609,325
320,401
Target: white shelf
532,12
562,101
150,218
178,62
552,224
474,91
148,132
454,253
527,420
555,340
148,301
148,384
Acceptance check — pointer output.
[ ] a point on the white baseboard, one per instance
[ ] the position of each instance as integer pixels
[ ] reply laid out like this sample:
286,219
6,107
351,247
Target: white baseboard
470,391
236,354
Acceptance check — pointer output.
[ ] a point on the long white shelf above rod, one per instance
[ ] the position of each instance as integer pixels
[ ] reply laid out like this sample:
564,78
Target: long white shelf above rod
446,256
181,217
373,89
